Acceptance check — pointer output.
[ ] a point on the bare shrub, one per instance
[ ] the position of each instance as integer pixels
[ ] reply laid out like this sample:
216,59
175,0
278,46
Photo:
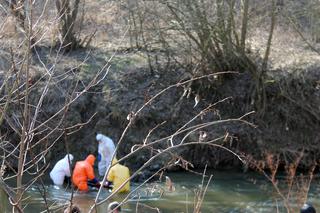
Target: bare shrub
68,13
293,190
28,131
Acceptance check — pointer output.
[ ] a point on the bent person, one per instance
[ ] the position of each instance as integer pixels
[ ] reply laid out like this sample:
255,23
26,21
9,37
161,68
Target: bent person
114,207
83,173
118,175
307,208
74,209
61,170
106,149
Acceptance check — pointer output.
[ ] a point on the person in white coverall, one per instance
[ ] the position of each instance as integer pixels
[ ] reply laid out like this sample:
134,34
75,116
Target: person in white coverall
106,149
61,169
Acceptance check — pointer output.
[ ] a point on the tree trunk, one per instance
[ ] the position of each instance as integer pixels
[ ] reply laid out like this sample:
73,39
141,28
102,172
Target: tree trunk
244,12
68,16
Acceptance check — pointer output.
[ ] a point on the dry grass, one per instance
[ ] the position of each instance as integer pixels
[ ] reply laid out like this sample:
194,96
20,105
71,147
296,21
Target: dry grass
288,50
108,19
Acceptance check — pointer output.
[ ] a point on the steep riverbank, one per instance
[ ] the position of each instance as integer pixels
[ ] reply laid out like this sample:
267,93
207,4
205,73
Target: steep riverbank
290,122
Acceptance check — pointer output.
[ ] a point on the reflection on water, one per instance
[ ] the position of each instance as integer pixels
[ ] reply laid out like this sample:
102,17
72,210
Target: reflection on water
227,192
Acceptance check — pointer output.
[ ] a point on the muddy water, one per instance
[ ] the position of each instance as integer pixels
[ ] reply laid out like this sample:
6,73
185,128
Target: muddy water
3,201
227,192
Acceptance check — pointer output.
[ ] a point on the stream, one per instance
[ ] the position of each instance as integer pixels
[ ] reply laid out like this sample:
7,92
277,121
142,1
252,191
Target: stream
226,192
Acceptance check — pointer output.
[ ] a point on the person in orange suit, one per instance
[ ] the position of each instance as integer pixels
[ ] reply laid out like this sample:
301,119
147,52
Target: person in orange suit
117,175
83,174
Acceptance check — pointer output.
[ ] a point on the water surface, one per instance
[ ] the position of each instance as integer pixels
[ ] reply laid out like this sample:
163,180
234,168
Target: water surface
227,192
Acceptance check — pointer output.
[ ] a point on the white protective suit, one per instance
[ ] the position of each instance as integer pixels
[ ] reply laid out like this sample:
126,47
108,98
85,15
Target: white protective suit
105,151
61,169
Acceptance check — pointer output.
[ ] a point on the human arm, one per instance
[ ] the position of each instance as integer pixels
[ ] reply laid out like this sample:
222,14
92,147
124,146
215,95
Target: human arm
94,183
67,170
89,172
92,180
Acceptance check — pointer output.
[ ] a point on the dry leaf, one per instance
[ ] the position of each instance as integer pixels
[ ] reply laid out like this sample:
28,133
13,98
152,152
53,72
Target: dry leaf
226,137
202,135
169,184
2,170
196,100
130,116
189,92
185,91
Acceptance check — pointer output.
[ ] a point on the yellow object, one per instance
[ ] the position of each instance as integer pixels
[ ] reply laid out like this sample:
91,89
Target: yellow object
119,174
